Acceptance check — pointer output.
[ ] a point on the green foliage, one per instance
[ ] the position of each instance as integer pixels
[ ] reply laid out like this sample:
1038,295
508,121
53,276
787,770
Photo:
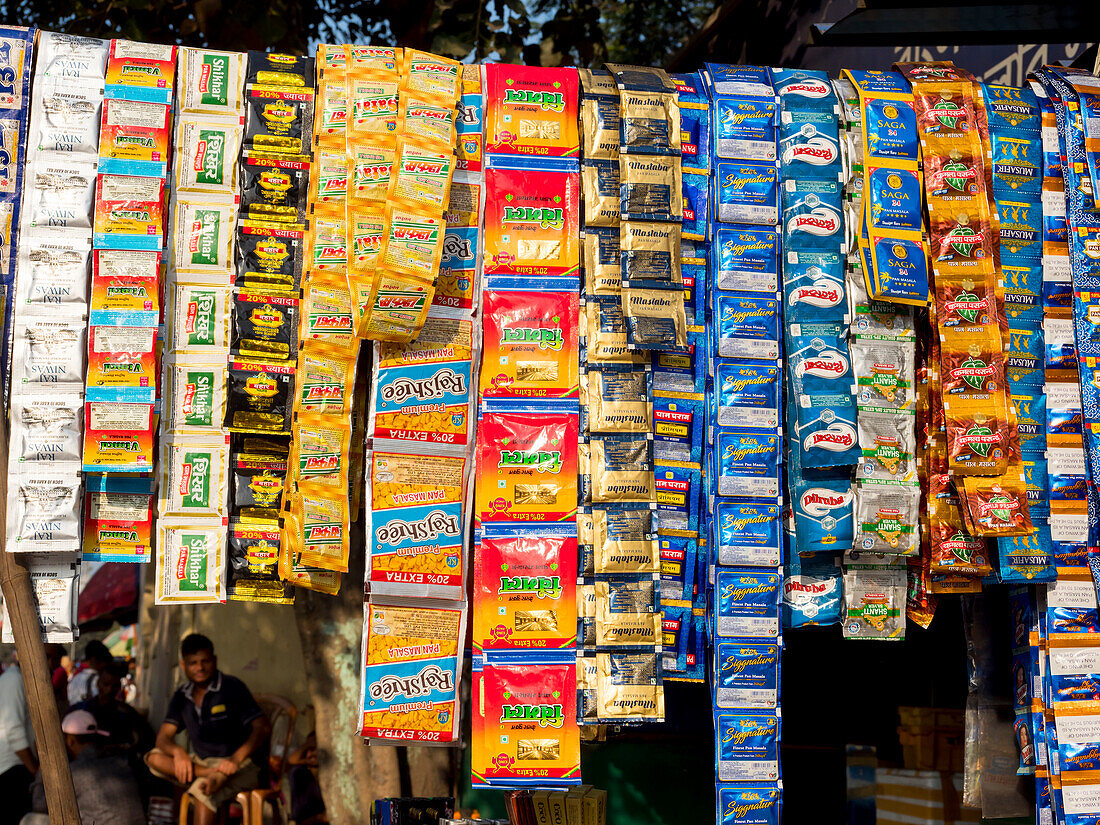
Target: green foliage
536,32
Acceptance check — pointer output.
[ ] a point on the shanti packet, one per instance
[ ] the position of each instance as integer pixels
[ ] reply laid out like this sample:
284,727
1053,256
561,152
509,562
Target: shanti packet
125,287
532,335
528,467
118,437
747,746
260,396
530,713
747,603
210,82
193,476
874,604
747,675
531,220
417,524
253,559
628,612
747,259
748,534
525,588
886,518
531,110
46,429
134,138
190,561
412,661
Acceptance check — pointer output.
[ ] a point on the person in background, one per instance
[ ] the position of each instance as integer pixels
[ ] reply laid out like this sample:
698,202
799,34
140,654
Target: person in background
18,762
83,683
58,676
124,726
307,807
106,793
224,725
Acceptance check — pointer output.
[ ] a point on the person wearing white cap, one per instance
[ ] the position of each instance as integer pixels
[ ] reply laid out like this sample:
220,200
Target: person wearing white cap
106,792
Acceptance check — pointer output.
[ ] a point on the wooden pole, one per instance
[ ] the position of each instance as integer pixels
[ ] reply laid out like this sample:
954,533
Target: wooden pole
16,583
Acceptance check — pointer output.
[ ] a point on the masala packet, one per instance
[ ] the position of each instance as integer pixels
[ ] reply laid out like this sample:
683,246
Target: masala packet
317,523
193,476
531,110
190,561
412,662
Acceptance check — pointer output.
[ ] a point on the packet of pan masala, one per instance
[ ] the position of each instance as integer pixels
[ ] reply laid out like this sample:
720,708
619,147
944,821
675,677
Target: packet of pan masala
413,244
319,450
997,506
416,523
525,590
129,212
533,337
374,105
49,350
421,177
628,612
134,138
531,222
47,428
427,121
60,193
202,238
53,275
200,323
328,240
325,376
118,519
194,394
328,178
624,540
531,110
622,468
655,318
274,187
412,662
190,561
125,287
430,76
253,565
327,312
122,362
264,325
629,687
398,307
140,71
209,82
193,476
599,114
422,391
531,722
528,467
270,255
278,119
44,511
317,524
260,396
118,437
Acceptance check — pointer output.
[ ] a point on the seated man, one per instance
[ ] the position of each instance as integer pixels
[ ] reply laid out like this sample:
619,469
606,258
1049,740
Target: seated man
104,785
225,727
125,727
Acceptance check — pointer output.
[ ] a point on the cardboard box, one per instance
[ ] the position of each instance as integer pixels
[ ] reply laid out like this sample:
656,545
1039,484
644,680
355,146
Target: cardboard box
908,797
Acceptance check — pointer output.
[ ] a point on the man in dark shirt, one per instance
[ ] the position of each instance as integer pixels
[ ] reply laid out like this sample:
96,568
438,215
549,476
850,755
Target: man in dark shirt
225,727
125,727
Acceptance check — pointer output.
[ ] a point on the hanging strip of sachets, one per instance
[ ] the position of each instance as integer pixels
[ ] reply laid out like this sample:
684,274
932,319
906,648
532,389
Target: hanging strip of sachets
46,194
526,596
755,210
195,456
